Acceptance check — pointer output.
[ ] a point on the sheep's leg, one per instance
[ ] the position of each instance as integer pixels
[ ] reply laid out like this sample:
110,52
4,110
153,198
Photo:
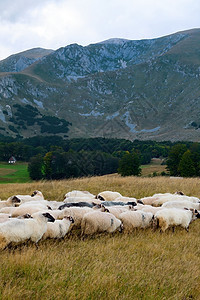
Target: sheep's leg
173,229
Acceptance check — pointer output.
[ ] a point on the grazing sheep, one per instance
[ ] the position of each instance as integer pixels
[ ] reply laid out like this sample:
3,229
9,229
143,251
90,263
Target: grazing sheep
54,204
59,228
4,217
113,203
82,199
126,199
171,217
116,210
31,209
77,204
21,230
136,219
181,204
76,213
36,196
79,194
97,221
147,208
159,199
7,210
12,201
108,196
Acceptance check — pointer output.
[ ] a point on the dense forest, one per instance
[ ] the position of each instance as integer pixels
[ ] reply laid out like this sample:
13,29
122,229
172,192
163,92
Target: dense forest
52,157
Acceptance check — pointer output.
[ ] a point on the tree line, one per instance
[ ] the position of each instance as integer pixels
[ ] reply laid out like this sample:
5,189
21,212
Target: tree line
52,157
184,160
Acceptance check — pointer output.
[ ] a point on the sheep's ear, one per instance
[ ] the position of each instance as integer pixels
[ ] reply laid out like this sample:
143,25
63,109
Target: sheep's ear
186,208
140,201
15,199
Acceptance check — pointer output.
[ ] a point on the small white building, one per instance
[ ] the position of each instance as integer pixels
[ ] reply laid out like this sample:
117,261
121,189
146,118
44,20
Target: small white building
12,160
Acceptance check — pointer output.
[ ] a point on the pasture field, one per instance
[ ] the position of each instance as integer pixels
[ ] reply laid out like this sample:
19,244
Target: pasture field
11,173
143,265
154,167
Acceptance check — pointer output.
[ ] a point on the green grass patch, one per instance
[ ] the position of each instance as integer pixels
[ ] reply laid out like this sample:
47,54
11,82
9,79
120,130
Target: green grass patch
16,173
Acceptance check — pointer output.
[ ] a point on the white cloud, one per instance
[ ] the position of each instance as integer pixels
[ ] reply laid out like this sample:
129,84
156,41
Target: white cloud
26,24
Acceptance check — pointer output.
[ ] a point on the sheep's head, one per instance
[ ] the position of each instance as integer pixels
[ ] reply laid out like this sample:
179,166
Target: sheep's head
140,202
99,197
49,217
26,216
14,200
121,227
179,193
38,193
132,203
70,219
195,214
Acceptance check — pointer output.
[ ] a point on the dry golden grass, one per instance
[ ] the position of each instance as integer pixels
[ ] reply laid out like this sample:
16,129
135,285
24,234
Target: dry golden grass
154,167
141,265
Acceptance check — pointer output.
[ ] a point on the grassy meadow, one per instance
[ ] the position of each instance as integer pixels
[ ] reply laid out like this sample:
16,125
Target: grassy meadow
155,167
141,265
11,173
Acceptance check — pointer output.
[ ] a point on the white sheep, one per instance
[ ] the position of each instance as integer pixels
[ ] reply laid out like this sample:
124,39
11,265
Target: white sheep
108,196
81,199
12,201
4,217
76,213
147,208
59,228
125,199
79,194
97,221
181,204
135,219
171,217
30,209
36,196
21,230
117,210
7,210
159,199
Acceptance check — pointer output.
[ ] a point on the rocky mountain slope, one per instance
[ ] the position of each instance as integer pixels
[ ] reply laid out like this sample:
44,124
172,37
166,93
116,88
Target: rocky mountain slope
20,61
147,89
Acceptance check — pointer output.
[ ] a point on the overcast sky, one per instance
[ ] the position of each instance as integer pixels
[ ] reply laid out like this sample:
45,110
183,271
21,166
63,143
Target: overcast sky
26,24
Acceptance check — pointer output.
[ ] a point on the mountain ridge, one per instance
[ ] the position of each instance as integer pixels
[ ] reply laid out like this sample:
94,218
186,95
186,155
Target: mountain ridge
145,89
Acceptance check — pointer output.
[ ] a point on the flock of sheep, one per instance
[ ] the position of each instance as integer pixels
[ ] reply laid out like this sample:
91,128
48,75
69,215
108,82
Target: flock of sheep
26,218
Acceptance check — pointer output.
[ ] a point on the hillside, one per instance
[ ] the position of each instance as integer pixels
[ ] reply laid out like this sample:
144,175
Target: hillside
145,89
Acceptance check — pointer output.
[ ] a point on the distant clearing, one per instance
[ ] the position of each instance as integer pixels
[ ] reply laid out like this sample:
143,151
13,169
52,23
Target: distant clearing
154,167
14,173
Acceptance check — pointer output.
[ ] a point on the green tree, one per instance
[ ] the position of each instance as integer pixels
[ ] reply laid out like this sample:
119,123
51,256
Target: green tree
48,165
129,165
186,165
174,158
35,167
